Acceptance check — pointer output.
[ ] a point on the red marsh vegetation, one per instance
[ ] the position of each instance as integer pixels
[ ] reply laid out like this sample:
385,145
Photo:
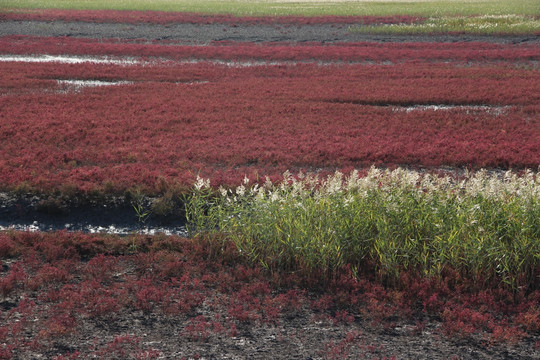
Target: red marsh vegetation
175,120
363,52
161,17
71,296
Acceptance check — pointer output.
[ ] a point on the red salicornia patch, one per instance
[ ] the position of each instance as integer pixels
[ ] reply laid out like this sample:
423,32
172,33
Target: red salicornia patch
363,52
211,298
160,17
172,121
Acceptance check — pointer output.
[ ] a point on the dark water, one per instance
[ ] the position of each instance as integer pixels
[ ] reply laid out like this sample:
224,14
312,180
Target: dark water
114,216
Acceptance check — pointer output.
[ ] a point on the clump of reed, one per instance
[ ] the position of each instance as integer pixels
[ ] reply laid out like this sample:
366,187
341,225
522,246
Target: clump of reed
483,225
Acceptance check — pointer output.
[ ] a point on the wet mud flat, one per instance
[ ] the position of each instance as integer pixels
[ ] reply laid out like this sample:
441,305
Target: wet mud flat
186,33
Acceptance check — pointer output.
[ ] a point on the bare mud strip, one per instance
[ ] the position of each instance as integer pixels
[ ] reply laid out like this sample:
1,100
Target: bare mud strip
205,33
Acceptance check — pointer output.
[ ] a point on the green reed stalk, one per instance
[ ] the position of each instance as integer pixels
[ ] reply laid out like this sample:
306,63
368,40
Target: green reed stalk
485,226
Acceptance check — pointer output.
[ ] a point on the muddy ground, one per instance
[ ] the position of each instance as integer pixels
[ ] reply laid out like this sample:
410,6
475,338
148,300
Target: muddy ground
205,33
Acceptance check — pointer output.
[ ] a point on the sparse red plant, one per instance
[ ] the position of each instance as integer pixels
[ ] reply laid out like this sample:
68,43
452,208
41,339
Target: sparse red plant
322,303
505,333
147,354
271,309
293,299
15,277
60,324
121,347
530,319
7,246
341,349
186,301
25,309
199,328
344,317
233,331
181,296
53,252
244,312
47,275
70,356
93,298
462,322
101,268
174,268
418,328
160,17
146,263
147,294
6,351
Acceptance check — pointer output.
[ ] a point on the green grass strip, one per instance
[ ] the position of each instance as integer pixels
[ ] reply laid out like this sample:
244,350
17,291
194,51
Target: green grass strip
481,25
485,226
301,7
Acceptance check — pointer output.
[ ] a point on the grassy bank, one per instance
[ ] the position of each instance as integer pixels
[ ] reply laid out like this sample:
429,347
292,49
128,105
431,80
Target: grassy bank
484,227
484,25
301,7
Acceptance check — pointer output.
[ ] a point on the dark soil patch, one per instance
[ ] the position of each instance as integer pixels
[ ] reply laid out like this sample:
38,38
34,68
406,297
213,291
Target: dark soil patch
205,33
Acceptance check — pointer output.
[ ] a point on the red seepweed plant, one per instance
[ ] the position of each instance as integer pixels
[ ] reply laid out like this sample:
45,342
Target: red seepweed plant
473,116
215,299
231,52
160,17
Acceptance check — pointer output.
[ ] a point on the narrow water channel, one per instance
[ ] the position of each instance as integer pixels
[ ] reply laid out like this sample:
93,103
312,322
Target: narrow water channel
30,213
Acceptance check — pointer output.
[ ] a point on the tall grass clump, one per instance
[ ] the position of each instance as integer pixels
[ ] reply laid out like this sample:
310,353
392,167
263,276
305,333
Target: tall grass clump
484,226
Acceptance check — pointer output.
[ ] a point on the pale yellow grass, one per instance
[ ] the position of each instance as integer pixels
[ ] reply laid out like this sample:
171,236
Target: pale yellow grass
427,8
